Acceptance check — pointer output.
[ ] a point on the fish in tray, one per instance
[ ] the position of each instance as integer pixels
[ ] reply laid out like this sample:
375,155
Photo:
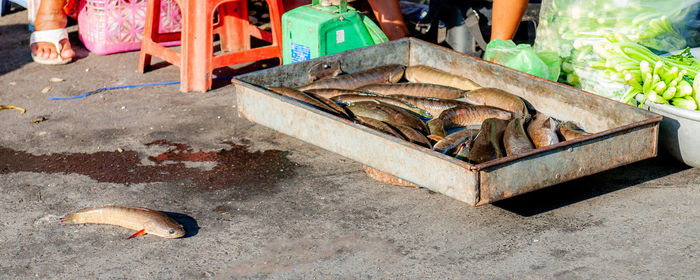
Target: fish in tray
399,131
333,92
415,89
426,74
515,140
570,131
543,131
386,113
382,74
434,106
497,98
352,98
487,145
454,140
464,116
412,135
379,126
311,99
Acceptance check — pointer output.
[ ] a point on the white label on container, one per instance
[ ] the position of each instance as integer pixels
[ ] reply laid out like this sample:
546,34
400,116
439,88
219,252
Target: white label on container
340,36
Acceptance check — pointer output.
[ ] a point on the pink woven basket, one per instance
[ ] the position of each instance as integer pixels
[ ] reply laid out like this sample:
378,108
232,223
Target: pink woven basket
112,26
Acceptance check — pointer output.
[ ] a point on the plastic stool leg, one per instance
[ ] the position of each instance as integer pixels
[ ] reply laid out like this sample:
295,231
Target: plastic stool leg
276,11
150,30
234,26
197,46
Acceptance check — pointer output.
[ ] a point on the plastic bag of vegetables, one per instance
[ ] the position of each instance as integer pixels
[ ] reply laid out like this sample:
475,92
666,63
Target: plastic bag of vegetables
603,43
659,25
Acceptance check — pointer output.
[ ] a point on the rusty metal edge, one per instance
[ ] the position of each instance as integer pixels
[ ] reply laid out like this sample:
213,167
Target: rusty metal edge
650,125
481,166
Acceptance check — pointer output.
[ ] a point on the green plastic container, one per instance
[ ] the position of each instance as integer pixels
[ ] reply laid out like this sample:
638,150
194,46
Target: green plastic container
316,30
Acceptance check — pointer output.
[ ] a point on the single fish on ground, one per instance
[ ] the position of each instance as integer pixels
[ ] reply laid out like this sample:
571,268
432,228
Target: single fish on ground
143,220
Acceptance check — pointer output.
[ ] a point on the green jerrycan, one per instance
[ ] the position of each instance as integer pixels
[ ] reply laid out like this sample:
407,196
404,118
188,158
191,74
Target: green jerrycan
321,28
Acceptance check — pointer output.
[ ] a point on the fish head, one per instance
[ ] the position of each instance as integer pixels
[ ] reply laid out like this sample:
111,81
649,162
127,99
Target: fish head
396,74
167,228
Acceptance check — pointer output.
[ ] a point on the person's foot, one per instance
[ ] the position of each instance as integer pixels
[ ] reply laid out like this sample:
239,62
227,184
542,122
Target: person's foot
48,19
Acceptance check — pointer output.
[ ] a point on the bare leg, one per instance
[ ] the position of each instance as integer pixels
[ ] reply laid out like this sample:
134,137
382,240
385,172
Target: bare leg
390,19
51,16
506,18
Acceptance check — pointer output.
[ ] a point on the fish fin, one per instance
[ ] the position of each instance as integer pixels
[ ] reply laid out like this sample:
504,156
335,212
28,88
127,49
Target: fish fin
435,138
138,233
548,123
68,219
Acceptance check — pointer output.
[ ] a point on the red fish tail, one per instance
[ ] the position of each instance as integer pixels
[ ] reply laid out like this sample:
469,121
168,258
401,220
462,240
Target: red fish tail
68,219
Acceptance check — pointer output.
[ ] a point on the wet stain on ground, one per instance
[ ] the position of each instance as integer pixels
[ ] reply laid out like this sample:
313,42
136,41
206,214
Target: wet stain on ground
235,168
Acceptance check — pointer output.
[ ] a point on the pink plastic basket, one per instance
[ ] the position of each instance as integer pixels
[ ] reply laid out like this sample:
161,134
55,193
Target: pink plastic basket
112,26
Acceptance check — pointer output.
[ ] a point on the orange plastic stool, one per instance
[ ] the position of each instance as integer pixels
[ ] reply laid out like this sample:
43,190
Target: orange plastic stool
196,58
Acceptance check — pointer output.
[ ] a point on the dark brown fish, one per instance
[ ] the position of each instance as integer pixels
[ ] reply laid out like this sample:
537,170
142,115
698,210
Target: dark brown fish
331,104
383,74
542,131
464,151
332,92
412,135
515,139
426,74
352,98
465,116
436,129
497,98
571,131
323,70
454,140
415,89
312,100
380,126
434,106
487,145
386,113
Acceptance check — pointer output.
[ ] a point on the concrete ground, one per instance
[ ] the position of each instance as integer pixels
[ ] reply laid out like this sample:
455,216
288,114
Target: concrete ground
259,204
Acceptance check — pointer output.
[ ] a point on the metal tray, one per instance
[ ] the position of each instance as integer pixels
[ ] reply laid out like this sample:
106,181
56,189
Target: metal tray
622,134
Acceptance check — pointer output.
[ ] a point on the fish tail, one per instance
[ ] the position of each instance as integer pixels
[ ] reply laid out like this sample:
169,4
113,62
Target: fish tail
69,218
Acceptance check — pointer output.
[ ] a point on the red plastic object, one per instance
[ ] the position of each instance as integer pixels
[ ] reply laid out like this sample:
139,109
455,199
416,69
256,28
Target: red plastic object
196,58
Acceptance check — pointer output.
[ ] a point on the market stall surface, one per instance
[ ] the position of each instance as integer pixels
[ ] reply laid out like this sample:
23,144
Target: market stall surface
259,204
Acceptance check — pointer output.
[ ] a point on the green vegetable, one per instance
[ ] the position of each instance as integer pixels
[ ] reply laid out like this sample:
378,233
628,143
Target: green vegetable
685,103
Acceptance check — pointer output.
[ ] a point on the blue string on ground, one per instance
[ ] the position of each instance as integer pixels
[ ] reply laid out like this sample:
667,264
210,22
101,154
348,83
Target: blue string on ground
123,87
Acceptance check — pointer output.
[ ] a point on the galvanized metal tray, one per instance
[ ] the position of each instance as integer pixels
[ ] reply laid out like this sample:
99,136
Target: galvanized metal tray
622,134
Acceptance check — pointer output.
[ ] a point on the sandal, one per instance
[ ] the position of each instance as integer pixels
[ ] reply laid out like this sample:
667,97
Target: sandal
53,36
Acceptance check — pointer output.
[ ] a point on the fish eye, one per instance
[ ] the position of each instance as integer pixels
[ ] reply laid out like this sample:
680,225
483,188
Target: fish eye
171,231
